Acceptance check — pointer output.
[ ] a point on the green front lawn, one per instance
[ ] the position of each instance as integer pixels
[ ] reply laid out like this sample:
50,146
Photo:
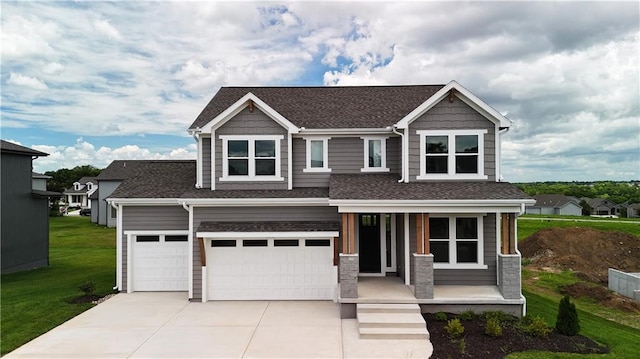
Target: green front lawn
35,301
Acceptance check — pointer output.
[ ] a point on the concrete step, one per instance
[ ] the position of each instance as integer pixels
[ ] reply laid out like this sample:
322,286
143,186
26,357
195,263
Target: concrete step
391,320
388,308
394,333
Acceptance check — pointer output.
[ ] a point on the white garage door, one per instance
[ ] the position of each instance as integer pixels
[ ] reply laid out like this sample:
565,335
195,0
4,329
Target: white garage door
160,263
270,269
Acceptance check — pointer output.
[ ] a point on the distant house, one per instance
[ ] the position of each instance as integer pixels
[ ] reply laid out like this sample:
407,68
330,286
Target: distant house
556,204
78,196
24,210
602,207
633,210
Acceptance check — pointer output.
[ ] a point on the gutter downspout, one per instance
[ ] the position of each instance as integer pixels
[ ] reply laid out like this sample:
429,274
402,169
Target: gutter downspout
190,244
118,246
394,129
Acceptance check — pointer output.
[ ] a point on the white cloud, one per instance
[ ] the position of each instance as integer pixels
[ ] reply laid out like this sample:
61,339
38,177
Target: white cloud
85,153
103,26
21,80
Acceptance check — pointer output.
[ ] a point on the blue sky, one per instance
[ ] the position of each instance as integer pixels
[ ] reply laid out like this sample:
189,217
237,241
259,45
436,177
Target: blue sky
90,82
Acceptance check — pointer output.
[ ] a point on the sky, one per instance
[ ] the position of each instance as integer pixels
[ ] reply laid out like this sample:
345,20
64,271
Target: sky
90,82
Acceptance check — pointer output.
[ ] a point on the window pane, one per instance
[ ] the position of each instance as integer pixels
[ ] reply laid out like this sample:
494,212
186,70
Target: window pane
440,251
467,252
317,154
437,164
467,144
285,243
437,144
375,153
467,228
265,148
238,148
176,238
147,238
439,228
265,167
467,164
317,243
223,243
255,243
238,167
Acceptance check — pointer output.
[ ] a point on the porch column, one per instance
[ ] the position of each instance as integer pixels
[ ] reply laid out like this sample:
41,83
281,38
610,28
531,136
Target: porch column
349,261
203,263
509,280
422,260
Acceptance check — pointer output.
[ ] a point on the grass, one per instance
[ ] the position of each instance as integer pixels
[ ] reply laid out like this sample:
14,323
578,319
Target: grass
533,223
36,301
623,341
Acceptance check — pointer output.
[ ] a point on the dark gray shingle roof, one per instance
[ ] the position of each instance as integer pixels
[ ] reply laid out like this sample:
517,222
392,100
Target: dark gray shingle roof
9,147
270,226
158,179
84,180
328,107
553,200
120,170
386,187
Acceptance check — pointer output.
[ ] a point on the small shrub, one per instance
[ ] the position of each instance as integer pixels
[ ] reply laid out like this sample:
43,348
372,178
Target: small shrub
500,316
536,327
441,316
493,328
567,322
467,315
87,288
454,328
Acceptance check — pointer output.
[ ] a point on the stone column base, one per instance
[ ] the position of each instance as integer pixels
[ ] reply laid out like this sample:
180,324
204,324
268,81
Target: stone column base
423,275
509,271
349,268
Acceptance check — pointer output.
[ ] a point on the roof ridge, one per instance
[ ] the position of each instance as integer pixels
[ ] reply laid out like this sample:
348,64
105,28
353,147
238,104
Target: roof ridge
329,87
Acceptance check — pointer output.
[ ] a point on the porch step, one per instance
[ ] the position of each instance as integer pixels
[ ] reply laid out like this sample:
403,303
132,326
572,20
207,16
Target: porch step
391,321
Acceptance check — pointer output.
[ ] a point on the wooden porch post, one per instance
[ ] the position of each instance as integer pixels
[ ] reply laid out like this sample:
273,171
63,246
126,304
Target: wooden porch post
352,233
419,235
203,255
425,225
345,233
508,233
512,233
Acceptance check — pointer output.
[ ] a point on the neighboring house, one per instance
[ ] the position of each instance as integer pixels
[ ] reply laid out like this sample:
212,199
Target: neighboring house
78,196
633,210
602,207
556,204
24,210
303,192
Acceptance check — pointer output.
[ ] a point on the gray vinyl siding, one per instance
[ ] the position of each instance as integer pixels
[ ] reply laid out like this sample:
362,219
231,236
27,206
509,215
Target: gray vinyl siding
94,210
248,214
346,156
452,116
248,123
474,276
206,162
105,189
40,184
25,219
150,218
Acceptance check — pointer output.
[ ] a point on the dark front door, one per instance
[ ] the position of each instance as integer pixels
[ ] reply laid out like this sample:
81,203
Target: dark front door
369,247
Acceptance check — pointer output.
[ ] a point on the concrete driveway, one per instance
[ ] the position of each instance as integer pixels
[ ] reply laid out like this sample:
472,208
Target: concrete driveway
166,325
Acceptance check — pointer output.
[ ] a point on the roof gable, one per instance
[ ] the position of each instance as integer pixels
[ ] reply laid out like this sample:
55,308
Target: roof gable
249,100
9,147
463,94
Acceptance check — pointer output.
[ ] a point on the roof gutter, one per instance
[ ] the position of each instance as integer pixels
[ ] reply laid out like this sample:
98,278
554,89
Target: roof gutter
394,129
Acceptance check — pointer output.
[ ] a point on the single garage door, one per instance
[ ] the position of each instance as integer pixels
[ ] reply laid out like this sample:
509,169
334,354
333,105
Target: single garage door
270,269
160,263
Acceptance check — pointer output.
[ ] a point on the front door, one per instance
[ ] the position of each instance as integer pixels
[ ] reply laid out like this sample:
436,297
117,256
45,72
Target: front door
369,243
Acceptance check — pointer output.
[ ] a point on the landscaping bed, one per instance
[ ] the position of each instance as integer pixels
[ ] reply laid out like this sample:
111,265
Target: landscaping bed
474,343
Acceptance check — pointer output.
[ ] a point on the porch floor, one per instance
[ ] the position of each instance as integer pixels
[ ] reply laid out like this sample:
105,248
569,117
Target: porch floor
393,290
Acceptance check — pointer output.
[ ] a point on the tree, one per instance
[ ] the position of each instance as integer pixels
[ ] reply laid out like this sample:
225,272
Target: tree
64,178
567,322
586,208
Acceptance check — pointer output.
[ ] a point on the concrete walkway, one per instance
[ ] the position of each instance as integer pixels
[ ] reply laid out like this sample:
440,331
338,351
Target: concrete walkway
166,325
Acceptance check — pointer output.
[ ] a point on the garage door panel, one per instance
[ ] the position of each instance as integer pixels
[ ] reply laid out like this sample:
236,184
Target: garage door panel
272,272
160,265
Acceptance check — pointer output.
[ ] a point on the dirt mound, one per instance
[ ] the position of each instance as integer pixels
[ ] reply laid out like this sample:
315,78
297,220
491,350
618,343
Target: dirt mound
602,295
586,251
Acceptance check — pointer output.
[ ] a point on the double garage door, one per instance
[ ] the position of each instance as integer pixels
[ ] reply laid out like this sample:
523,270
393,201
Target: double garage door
270,269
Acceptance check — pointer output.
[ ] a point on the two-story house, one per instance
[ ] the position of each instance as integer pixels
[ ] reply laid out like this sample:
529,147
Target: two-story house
327,193
79,194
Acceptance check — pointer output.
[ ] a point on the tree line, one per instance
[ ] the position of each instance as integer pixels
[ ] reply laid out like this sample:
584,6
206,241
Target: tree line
64,177
615,191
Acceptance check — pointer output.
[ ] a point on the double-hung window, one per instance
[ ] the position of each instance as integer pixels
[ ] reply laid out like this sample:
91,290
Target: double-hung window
251,158
456,154
375,154
317,155
456,242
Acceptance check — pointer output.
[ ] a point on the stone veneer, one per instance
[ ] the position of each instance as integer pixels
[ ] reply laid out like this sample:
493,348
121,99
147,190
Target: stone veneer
423,275
349,268
509,271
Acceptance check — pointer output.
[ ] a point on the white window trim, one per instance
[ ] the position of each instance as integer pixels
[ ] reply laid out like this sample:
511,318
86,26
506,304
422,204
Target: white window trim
251,177
451,156
383,150
325,155
452,244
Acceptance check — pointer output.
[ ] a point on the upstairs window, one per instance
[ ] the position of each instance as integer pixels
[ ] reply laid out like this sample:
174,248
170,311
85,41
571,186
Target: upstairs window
255,158
452,154
375,154
317,155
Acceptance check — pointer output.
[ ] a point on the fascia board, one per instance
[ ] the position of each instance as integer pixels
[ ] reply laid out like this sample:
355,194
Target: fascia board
241,202
344,131
145,201
239,105
463,94
268,235
427,209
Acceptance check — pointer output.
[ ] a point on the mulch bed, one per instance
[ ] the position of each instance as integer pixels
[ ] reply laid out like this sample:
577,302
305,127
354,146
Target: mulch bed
86,299
479,345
